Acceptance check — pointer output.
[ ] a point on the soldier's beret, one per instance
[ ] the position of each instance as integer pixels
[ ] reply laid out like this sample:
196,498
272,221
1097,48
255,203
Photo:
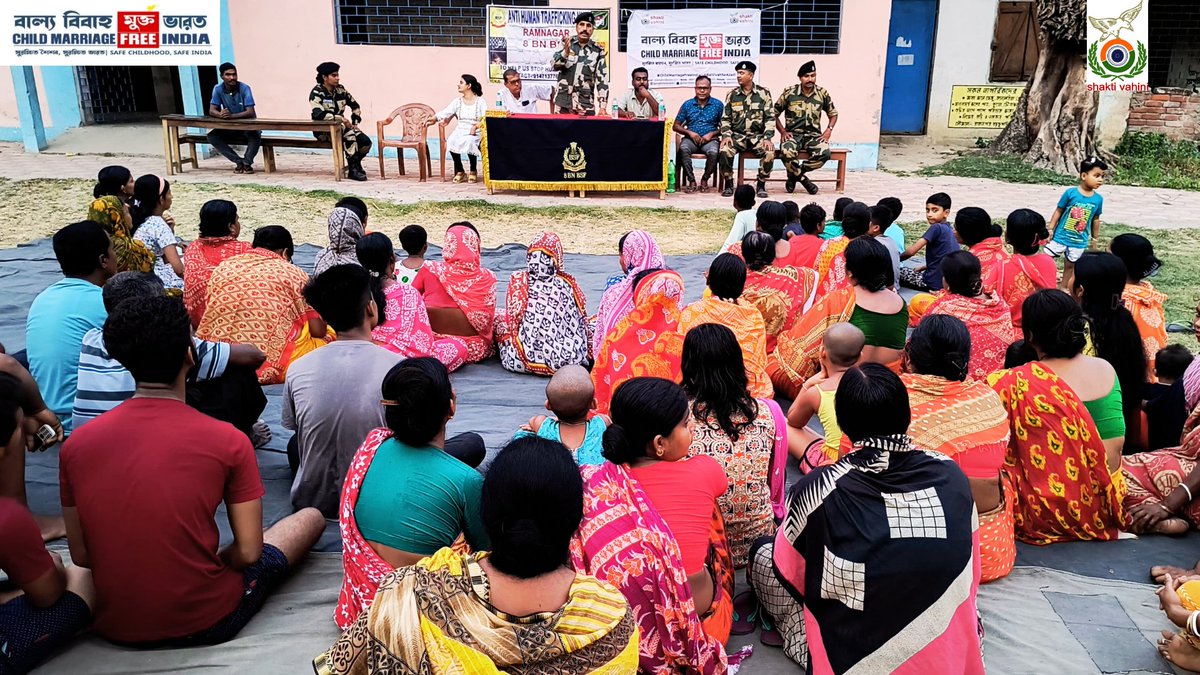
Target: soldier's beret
328,68
586,16
806,69
745,65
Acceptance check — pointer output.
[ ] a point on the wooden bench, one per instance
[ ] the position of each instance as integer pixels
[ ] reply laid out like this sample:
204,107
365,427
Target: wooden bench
269,143
173,140
835,155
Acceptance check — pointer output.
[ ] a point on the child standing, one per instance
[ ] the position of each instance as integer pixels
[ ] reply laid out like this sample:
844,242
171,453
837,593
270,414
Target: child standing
940,239
415,242
570,395
840,350
1077,218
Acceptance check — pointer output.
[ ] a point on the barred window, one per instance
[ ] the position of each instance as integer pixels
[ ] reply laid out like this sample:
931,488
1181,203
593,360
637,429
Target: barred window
416,23
791,27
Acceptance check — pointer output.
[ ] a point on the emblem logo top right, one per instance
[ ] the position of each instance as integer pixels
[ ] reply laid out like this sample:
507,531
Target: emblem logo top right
1113,57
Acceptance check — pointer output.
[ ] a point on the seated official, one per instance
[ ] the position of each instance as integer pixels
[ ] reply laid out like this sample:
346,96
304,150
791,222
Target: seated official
699,122
517,97
223,374
527,609
141,486
232,100
410,490
639,102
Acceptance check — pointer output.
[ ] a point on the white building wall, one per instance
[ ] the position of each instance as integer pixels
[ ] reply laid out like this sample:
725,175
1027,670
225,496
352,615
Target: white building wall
962,55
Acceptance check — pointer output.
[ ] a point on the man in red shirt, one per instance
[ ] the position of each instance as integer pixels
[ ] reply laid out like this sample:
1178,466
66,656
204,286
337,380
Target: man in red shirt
141,485
52,602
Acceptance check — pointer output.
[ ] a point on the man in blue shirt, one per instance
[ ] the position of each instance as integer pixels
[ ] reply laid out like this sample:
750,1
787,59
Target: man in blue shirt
699,122
64,312
232,100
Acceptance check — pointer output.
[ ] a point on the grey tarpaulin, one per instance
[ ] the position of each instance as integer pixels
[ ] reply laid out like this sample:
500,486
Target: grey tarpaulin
1069,608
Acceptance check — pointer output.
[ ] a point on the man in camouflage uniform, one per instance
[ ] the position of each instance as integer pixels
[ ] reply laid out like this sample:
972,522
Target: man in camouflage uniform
800,131
745,128
583,74
329,101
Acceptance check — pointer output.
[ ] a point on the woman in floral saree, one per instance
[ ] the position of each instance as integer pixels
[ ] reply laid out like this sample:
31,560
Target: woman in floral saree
639,252
651,528
646,342
986,316
113,215
781,294
218,241
545,325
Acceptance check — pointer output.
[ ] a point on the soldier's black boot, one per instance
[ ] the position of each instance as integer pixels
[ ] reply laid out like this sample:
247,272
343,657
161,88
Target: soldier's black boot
790,186
762,190
808,184
355,171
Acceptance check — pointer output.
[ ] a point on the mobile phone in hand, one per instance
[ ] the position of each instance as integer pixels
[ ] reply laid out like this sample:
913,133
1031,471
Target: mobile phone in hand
44,436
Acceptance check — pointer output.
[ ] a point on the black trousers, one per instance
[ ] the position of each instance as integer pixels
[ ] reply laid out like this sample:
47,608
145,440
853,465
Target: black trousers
467,448
235,397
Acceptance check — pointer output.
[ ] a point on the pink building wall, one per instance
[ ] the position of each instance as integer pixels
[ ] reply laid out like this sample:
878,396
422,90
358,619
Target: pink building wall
9,116
277,52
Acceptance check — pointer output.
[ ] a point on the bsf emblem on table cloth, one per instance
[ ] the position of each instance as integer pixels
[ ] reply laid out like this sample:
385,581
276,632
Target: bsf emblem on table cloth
574,161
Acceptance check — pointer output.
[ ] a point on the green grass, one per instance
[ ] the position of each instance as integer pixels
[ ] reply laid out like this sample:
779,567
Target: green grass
1150,160
1005,168
1179,277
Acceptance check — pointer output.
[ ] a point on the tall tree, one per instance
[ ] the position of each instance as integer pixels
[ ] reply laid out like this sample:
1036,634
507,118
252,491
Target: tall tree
1055,118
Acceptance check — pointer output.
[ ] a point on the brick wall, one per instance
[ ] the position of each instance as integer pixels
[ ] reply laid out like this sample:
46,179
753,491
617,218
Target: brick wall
1163,110
417,23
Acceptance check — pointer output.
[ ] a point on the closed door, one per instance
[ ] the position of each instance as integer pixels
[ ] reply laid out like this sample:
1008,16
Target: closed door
909,64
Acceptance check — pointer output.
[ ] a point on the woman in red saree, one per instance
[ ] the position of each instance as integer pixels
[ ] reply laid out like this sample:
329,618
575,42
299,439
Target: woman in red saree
781,294
1027,269
218,242
258,298
460,296
1068,483
984,313
831,258
964,420
652,529
646,342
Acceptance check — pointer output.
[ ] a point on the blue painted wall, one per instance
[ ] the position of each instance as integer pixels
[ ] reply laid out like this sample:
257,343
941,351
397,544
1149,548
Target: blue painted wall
60,98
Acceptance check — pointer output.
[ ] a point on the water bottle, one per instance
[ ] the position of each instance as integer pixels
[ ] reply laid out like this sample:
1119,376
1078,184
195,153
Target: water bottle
499,101
615,109
671,177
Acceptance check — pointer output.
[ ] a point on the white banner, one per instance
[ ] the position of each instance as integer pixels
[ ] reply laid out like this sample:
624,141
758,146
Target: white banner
676,46
108,33
1118,37
526,38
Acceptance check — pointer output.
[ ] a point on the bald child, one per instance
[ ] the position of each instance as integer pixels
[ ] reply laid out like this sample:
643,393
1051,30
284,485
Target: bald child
841,348
571,396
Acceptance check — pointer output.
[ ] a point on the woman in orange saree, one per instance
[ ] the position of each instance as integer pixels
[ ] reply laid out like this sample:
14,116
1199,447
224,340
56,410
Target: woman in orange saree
1027,269
964,420
258,298
460,296
218,242
781,294
831,258
981,309
1141,298
646,342
1058,465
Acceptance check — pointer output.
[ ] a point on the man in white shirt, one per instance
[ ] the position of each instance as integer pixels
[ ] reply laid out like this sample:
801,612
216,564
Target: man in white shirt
639,102
518,98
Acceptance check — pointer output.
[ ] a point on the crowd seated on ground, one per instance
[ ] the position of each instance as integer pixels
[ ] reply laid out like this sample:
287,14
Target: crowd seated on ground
605,537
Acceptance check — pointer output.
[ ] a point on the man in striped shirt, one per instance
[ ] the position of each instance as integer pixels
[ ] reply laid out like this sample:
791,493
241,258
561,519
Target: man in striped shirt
104,383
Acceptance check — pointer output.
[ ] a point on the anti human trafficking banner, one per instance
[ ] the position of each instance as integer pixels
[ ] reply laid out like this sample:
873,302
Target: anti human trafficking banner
526,38
567,152
110,32
677,46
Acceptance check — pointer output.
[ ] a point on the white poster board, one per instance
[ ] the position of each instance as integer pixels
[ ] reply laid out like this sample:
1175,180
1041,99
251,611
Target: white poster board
676,46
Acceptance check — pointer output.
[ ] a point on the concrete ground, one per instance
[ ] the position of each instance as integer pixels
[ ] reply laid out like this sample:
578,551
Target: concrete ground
71,157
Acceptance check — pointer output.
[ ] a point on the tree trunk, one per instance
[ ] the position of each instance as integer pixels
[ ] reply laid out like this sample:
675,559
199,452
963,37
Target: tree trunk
1054,124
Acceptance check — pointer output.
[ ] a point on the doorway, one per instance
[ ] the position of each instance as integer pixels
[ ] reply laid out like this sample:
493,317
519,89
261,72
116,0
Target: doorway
124,94
909,66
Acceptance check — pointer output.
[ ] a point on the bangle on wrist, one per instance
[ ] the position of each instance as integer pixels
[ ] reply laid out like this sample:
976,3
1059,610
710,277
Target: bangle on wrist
1188,490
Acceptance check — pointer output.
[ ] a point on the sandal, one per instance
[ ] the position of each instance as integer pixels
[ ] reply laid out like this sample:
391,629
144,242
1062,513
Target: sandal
769,636
459,177
745,613
473,178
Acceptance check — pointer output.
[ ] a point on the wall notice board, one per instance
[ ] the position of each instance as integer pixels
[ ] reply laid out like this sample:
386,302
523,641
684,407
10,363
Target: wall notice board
982,106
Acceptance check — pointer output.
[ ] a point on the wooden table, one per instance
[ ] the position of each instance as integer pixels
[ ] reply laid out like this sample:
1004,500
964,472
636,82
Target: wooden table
172,142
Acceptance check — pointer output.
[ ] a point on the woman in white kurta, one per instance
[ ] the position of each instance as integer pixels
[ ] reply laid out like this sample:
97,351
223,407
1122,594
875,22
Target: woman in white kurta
469,108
